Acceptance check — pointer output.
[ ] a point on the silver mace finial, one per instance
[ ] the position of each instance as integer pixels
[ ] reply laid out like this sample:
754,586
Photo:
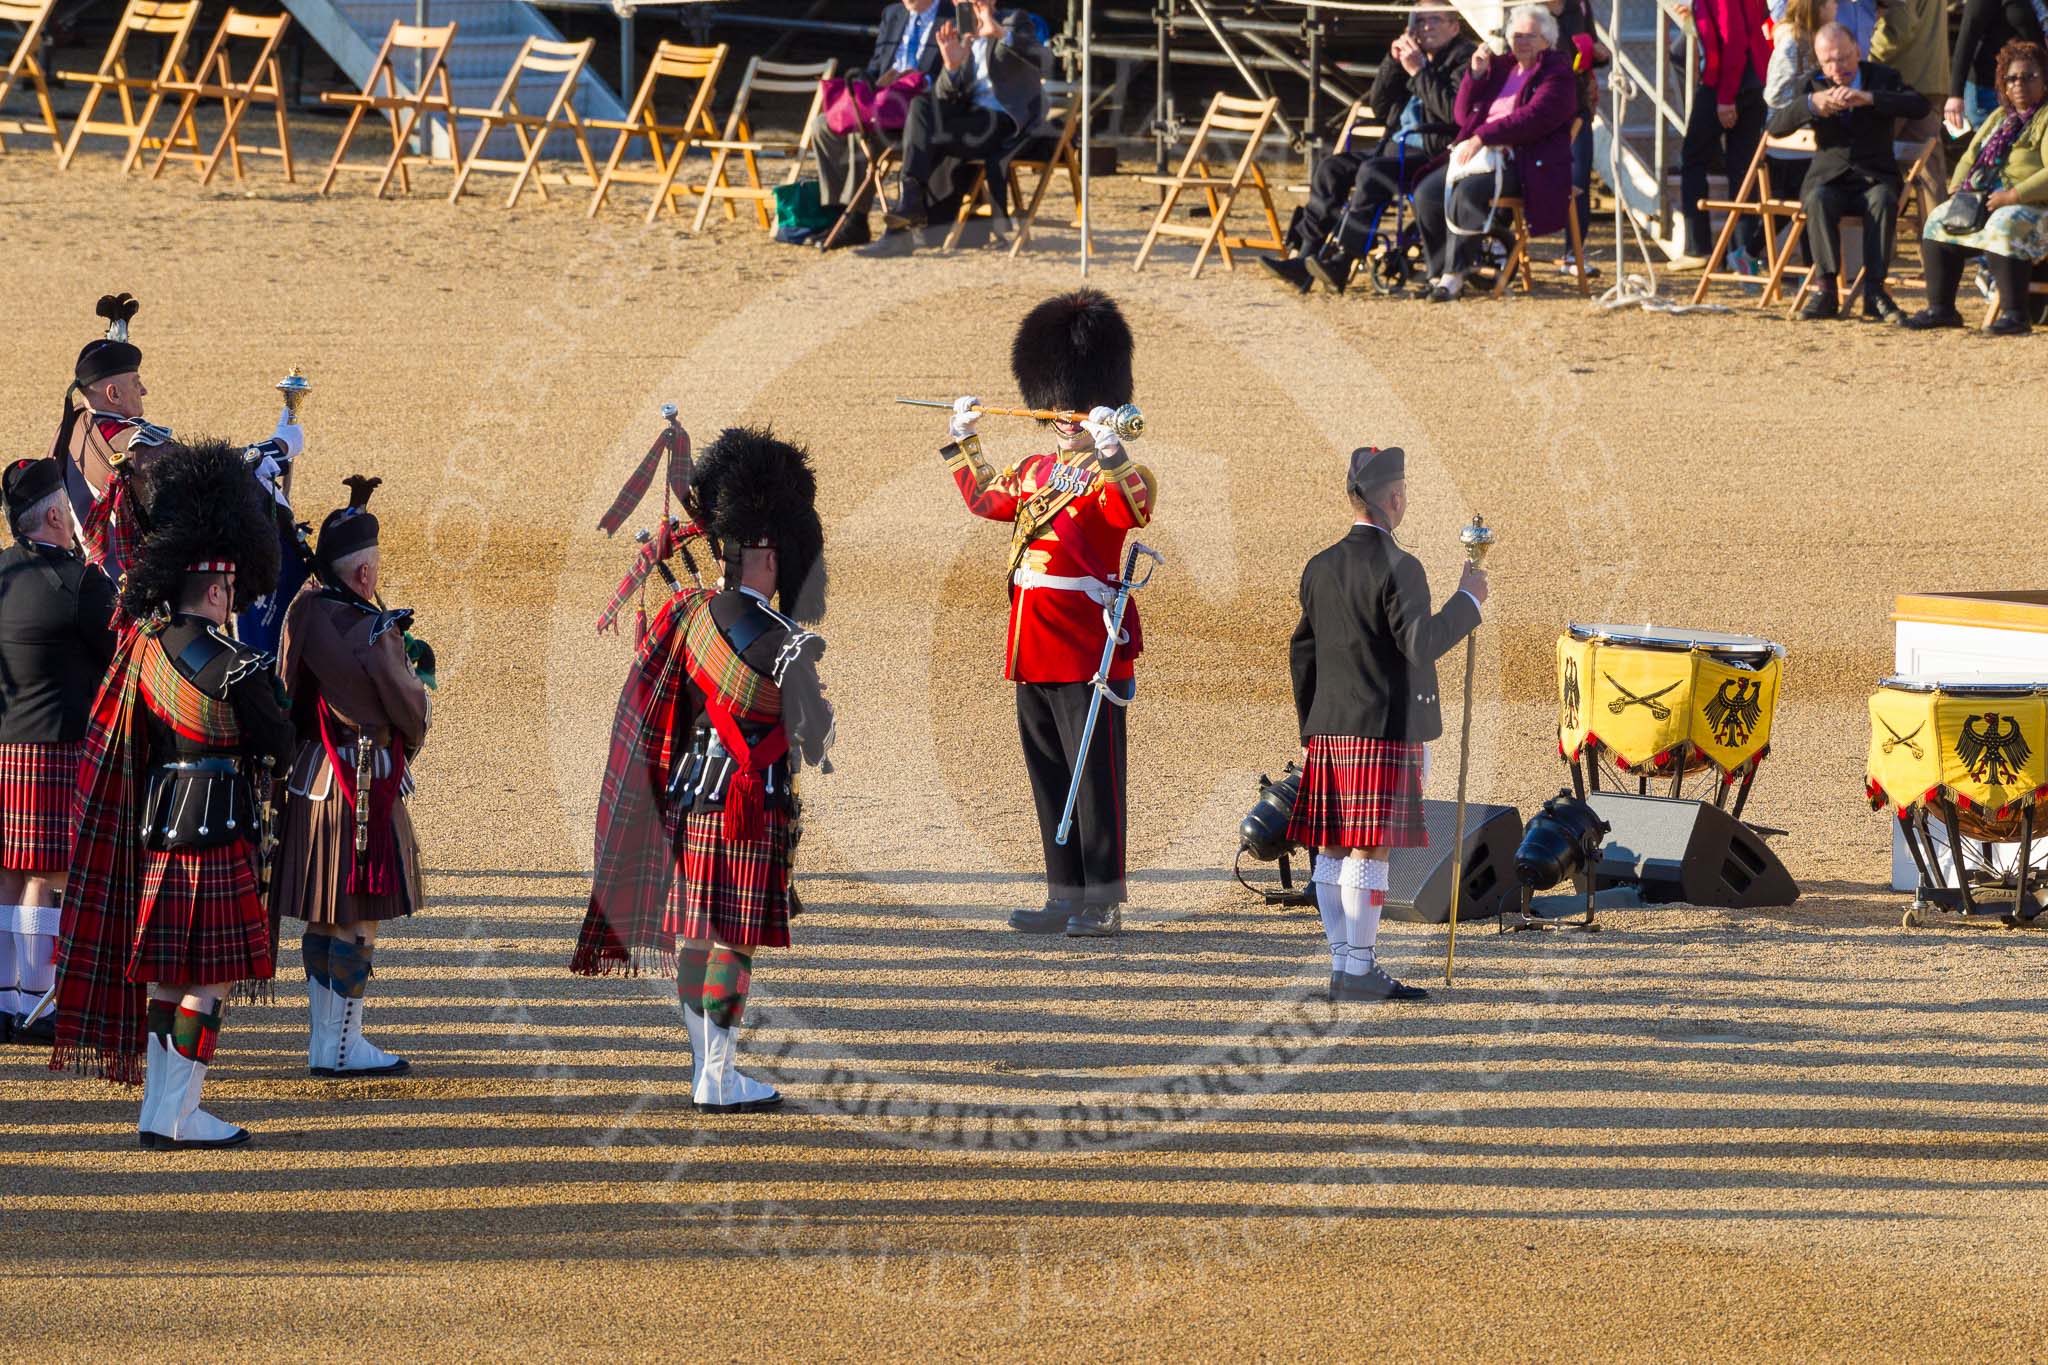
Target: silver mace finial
1477,538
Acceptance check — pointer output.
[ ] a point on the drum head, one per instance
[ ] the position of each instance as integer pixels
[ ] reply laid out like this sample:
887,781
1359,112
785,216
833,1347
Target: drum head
1717,643
1968,684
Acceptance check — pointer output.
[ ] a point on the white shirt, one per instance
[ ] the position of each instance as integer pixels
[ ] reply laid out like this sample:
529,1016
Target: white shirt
984,83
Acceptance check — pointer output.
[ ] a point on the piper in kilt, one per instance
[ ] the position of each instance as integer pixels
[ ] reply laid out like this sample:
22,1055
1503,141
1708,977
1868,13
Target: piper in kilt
698,822
54,647
161,913
1069,510
1365,691
351,679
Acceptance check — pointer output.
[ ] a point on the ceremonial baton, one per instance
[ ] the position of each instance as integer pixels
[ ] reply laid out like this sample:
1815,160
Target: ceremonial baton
1477,540
1127,422
1113,617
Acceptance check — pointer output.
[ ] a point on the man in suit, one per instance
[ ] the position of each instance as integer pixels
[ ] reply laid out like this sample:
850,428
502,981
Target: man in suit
1851,106
991,88
907,40
1364,663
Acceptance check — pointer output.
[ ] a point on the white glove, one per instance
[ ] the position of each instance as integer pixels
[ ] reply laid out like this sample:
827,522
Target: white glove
290,433
1108,444
965,418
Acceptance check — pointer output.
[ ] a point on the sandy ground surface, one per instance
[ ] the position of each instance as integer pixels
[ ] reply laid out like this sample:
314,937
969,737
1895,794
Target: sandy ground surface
1701,1132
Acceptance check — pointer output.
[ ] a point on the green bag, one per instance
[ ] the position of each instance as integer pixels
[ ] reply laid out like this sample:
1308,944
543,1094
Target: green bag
799,212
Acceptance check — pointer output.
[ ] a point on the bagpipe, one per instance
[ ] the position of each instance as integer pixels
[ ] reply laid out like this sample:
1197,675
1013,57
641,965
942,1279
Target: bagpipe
672,446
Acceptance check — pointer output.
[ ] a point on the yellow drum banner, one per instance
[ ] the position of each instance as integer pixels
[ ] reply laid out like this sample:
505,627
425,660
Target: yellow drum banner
1988,752
1644,703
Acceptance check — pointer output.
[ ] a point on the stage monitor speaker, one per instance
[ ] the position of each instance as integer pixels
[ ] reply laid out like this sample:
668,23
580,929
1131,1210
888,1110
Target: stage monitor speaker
1688,851
1419,879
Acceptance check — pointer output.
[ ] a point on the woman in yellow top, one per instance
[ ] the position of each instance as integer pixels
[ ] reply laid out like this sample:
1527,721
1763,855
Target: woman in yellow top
2006,164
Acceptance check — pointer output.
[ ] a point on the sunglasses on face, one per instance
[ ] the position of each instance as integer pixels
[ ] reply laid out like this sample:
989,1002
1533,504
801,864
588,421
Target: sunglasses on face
2021,77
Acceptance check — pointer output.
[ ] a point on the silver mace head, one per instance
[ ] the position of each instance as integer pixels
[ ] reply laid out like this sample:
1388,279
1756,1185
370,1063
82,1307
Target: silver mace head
1477,539
668,412
294,386
1127,422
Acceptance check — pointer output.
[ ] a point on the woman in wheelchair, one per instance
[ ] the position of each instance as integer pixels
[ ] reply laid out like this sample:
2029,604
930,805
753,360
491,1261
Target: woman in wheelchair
1514,141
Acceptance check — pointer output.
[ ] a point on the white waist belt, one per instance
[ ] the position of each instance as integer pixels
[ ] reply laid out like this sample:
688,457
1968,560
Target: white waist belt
1098,591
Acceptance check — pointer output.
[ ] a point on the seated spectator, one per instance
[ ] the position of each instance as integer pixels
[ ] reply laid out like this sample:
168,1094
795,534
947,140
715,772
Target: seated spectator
2006,164
992,86
1858,16
1728,117
1517,115
1987,27
908,40
1851,106
1415,95
1792,62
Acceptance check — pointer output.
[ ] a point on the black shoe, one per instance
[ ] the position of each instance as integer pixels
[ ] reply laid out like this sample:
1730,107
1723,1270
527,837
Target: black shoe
1927,319
157,1142
1819,306
905,216
1334,272
1438,294
1096,921
2009,325
891,243
856,232
41,1033
6,1028
1879,306
1290,271
1375,985
1051,918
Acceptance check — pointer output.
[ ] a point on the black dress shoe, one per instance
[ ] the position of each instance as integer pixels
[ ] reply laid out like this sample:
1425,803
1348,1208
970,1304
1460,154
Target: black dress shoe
1290,271
1438,294
906,215
855,233
1879,306
2009,325
1051,918
1375,985
1334,272
1819,306
1096,921
157,1142
41,1033
1927,319
889,244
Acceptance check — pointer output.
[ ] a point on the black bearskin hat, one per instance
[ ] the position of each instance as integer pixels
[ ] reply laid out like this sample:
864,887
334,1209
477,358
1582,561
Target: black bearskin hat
1073,351
204,508
752,488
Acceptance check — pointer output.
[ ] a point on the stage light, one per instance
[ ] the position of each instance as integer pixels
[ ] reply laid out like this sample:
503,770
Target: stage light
1561,843
1263,834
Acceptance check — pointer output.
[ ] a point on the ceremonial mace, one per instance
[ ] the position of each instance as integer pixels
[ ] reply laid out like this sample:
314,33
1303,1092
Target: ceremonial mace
1477,540
1127,422
294,386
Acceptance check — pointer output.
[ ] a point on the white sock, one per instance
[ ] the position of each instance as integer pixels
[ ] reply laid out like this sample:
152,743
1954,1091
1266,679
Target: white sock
10,975
35,965
1365,893
1330,901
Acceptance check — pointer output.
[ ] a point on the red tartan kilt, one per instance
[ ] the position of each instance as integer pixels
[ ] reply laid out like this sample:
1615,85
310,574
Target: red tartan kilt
37,784
1359,793
201,922
736,891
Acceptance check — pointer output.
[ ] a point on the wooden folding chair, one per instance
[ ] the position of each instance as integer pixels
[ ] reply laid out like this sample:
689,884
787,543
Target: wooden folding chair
1063,111
31,15
761,78
1516,266
881,156
1752,197
537,57
216,80
674,62
1914,206
403,106
171,21
1226,114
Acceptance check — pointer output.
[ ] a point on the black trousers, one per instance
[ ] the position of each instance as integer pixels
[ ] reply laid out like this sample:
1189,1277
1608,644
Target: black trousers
1944,265
1345,192
1703,136
1472,202
842,161
936,134
1827,204
1050,717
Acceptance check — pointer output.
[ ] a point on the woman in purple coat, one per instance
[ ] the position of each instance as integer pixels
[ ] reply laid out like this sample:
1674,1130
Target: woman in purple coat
1514,138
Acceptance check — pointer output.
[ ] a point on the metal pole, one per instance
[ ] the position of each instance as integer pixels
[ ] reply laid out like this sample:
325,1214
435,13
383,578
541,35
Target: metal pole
1315,85
626,85
1087,121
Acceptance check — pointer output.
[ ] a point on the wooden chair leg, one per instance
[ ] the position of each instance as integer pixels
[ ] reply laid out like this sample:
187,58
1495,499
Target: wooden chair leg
1215,238
977,191
1578,239
1166,204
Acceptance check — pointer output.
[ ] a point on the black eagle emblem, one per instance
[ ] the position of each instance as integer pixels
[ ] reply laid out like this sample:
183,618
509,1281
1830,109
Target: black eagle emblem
1571,694
1734,709
1992,748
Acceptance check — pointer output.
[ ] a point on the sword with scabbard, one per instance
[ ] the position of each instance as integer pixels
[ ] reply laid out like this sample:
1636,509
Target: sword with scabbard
1113,617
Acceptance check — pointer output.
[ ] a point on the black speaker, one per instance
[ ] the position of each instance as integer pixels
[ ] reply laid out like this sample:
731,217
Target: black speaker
1687,851
1419,879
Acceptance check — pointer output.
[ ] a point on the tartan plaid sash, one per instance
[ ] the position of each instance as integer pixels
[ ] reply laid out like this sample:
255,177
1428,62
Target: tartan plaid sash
101,1016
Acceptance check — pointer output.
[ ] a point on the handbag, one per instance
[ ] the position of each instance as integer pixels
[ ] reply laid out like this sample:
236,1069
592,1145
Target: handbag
853,106
1967,212
799,212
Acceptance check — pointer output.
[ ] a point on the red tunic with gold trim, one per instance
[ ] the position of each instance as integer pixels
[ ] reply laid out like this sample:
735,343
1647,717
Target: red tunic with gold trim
1070,514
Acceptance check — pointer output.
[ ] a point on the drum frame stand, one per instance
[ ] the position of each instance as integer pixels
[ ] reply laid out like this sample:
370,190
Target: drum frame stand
1585,771
1527,919
1931,892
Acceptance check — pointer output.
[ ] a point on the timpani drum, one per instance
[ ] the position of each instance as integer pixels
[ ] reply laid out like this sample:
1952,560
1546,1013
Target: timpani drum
1638,704
1961,761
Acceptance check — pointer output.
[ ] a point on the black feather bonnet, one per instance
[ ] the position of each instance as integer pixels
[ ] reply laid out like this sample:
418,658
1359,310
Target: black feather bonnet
753,489
204,508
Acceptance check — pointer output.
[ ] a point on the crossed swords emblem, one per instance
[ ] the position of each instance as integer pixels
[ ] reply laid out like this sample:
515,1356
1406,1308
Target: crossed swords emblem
1899,741
1648,701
